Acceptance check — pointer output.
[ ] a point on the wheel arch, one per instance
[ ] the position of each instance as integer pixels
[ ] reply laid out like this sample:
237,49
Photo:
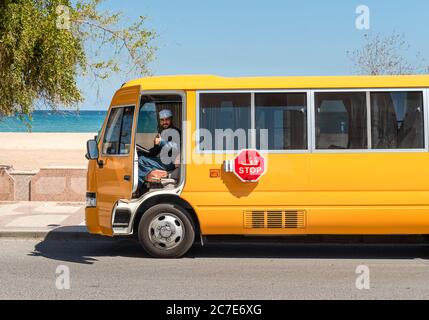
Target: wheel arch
166,199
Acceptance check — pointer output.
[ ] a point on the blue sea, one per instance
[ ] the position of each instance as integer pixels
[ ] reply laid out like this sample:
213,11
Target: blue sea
56,121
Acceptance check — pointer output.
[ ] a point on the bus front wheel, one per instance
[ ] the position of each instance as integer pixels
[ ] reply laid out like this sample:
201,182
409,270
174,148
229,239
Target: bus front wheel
166,231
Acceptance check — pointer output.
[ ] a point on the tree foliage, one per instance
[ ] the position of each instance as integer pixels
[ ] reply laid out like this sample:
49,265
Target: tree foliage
385,55
46,45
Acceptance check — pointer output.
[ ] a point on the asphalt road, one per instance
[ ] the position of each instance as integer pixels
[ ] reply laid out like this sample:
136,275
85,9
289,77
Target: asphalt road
121,270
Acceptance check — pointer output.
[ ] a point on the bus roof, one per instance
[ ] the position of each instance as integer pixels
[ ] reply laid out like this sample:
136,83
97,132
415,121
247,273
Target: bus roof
211,82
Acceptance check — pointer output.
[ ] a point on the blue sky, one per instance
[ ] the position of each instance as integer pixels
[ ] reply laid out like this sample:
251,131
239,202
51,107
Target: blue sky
271,37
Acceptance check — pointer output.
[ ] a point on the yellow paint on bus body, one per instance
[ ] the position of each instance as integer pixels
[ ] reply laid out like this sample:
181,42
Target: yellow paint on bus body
339,193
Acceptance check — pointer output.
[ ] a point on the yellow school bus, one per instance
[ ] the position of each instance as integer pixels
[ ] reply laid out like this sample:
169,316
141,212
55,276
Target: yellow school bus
344,155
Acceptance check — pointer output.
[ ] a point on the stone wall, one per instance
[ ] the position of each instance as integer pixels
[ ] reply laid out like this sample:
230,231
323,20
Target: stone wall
47,184
22,184
7,186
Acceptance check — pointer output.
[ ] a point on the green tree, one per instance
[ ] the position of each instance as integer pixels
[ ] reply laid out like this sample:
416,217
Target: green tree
47,45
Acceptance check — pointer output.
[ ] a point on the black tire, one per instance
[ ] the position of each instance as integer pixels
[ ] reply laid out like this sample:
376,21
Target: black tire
146,233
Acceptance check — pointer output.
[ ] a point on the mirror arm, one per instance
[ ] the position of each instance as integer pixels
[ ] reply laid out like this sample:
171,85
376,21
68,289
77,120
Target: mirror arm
100,163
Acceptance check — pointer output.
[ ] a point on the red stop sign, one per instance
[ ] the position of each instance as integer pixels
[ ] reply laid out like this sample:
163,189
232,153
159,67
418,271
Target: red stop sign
249,165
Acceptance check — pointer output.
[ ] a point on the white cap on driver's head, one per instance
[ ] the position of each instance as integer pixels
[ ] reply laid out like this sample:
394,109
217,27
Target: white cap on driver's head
163,114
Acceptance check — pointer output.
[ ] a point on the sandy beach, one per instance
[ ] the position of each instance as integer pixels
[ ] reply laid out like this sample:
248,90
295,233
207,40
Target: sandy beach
32,151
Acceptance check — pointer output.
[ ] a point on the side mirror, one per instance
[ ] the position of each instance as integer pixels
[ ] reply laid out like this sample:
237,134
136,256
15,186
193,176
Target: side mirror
91,150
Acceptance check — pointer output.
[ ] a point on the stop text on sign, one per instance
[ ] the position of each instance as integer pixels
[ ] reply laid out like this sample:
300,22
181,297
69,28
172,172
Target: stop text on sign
250,170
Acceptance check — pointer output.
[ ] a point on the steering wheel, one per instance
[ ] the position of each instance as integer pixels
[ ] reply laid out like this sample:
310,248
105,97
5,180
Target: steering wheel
140,148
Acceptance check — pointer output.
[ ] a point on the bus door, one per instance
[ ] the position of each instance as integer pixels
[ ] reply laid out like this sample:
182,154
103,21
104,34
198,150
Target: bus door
116,157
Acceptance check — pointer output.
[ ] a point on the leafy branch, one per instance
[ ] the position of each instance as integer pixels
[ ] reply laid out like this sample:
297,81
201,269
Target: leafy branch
40,63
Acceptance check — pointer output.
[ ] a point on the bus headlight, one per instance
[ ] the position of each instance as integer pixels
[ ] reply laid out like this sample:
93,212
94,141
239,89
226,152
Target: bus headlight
91,200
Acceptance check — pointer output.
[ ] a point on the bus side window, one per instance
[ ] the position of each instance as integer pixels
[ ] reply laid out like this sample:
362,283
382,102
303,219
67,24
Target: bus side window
397,120
284,116
341,120
226,118
117,138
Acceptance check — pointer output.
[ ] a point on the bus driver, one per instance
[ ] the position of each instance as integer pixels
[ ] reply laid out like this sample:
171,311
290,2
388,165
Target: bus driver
164,156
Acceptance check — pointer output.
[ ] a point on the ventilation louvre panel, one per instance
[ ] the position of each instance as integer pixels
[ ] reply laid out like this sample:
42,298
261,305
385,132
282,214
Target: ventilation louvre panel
274,219
257,219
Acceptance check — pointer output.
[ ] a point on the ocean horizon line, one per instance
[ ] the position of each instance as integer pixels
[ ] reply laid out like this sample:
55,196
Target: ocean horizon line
79,121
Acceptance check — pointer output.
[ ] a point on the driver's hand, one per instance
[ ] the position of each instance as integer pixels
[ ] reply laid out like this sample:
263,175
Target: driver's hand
157,140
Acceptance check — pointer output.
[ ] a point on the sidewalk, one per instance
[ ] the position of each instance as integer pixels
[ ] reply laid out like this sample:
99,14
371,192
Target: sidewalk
43,219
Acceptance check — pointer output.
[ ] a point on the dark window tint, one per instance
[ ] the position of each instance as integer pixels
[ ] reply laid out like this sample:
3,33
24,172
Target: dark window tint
397,120
341,120
284,117
148,119
117,138
225,117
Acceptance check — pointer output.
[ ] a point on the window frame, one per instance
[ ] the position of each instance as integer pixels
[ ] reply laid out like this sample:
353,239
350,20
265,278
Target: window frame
425,119
369,124
184,135
311,124
252,141
105,130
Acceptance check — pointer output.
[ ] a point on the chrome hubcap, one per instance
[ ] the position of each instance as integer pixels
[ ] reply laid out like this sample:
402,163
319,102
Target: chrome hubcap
166,231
